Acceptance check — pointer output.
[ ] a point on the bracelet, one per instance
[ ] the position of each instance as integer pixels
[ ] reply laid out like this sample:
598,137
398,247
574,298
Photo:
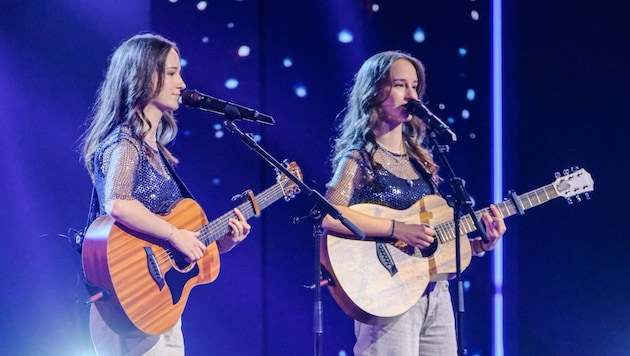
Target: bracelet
391,236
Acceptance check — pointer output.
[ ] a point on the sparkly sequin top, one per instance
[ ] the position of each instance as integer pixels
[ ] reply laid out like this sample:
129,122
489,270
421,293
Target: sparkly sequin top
124,170
394,182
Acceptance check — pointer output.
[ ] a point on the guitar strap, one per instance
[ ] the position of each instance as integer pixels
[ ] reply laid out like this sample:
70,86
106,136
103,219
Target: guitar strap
92,215
182,187
426,175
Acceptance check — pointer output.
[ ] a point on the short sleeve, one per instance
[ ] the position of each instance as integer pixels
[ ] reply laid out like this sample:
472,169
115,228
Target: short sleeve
120,163
347,179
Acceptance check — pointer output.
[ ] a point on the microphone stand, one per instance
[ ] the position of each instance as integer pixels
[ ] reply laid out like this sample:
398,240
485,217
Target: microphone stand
318,325
322,207
460,200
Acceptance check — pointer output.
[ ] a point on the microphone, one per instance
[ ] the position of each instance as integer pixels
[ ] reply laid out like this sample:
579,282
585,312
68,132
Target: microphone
195,99
433,122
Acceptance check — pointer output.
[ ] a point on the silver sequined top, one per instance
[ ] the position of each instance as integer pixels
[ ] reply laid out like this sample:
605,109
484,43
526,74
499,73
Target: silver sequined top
123,170
394,182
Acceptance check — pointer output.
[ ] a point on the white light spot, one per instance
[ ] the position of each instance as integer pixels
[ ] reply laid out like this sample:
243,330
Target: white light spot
183,62
243,51
465,114
287,62
441,106
470,94
257,138
230,25
217,127
202,5
345,36
419,35
300,90
219,134
231,83
472,135
474,15
205,39
462,52
375,7
172,1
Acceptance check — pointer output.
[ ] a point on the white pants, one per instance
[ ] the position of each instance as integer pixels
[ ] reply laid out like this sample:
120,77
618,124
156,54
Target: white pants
428,328
108,343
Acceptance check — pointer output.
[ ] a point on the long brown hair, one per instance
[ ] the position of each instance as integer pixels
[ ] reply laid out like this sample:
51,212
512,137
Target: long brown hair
364,111
128,87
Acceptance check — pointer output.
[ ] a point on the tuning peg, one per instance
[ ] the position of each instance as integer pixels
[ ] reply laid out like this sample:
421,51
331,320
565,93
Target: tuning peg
575,169
565,172
587,196
578,198
557,175
569,201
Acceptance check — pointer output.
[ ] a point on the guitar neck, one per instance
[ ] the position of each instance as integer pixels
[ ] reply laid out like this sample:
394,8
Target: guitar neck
446,231
219,227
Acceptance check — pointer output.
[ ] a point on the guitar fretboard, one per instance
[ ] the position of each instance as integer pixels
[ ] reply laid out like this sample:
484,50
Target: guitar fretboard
446,231
219,227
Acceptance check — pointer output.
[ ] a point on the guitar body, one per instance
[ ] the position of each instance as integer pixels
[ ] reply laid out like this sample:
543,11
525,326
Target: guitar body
146,282
365,289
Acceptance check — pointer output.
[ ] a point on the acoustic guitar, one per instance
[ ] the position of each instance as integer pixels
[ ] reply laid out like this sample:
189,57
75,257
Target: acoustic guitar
143,281
375,282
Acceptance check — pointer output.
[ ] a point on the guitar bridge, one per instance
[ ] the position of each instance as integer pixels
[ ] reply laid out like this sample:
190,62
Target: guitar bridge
154,267
385,258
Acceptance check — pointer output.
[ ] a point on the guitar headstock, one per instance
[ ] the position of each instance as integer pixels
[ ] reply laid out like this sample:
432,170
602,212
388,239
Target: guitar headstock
572,183
289,187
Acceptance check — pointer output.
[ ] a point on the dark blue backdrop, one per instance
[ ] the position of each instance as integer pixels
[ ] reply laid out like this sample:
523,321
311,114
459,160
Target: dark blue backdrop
565,95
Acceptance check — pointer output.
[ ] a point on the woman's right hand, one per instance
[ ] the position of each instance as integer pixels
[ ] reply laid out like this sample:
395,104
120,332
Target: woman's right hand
416,235
188,243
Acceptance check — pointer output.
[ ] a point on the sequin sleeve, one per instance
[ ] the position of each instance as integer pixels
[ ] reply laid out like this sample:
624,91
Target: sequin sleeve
347,179
120,164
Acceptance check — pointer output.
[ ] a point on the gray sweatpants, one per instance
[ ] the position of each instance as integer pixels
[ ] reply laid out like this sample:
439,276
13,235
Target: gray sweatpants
428,328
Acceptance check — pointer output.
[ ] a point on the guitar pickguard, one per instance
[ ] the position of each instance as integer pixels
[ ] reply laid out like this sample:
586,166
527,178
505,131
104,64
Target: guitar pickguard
177,280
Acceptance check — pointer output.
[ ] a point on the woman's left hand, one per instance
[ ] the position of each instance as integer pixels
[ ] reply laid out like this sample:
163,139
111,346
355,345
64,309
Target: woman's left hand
495,228
240,229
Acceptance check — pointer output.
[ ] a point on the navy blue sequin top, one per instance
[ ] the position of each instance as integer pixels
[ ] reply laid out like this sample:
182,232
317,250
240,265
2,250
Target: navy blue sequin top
394,182
124,170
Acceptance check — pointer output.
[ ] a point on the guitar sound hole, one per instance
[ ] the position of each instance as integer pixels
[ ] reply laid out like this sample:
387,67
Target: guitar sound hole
179,260
429,250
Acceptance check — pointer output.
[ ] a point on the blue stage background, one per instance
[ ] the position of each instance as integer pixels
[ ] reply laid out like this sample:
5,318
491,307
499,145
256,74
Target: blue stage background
565,104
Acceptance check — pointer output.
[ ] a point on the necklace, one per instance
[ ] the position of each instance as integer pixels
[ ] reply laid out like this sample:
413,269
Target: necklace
396,156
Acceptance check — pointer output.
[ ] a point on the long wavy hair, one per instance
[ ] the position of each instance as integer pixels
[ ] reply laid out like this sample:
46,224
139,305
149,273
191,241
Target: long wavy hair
364,111
128,87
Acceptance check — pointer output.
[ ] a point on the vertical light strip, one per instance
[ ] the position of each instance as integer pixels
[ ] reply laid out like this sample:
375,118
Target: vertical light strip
497,152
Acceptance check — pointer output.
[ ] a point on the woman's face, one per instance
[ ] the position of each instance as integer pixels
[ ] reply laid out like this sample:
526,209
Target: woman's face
168,98
402,87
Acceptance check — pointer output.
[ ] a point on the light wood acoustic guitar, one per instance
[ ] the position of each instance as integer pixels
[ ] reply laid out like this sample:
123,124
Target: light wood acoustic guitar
144,282
376,281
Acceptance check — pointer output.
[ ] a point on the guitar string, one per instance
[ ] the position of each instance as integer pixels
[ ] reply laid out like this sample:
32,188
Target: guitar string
245,207
448,228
